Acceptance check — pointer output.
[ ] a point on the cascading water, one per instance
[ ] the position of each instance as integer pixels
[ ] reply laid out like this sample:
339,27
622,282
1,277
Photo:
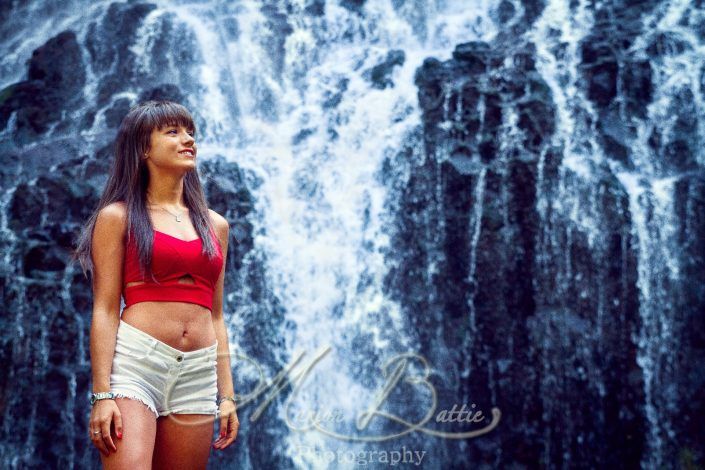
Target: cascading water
318,142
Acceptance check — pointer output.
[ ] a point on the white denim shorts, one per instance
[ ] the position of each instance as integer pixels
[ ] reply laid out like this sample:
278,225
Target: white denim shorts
164,378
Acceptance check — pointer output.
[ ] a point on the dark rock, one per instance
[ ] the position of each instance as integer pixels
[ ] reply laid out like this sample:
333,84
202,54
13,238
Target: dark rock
615,134
637,88
302,135
43,261
227,193
690,381
537,121
667,43
81,293
677,152
50,449
505,11
600,67
165,91
353,5
63,347
475,52
5,11
58,64
316,8
67,198
55,81
380,74
115,114
115,33
25,207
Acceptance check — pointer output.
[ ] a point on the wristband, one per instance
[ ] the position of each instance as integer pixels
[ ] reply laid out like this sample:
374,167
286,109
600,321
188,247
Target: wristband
101,396
231,398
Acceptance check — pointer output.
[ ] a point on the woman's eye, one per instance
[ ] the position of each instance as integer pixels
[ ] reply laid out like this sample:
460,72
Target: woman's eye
192,134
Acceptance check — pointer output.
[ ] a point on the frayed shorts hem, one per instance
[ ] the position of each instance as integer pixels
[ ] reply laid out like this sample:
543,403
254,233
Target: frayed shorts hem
141,399
182,411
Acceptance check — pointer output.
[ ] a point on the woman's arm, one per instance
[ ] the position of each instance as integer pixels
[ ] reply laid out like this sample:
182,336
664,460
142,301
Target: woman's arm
225,380
107,254
229,423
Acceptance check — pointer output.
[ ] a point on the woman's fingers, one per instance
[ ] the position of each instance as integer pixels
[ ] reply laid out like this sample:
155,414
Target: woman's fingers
229,425
101,421
223,426
118,424
222,436
97,439
227,432
105,429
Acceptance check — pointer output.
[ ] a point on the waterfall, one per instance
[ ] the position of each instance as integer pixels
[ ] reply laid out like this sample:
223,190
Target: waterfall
507,195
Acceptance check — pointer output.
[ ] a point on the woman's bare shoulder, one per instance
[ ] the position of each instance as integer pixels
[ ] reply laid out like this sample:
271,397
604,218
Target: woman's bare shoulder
219,222
220,225
112,219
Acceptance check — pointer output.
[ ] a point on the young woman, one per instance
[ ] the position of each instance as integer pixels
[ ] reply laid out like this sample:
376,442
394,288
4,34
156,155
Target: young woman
161,369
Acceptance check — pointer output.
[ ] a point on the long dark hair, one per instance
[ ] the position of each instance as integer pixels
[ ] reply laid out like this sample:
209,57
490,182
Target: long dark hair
128,180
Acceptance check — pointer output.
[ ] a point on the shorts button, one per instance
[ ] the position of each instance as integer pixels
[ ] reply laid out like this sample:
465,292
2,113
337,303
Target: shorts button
178,358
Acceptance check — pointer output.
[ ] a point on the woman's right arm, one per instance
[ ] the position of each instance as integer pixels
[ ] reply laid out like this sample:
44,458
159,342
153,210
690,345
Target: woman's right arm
107,254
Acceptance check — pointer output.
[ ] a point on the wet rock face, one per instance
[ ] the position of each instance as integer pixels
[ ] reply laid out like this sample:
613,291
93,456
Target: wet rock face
52,97
55,80
464,102
108,44
530,267
118,28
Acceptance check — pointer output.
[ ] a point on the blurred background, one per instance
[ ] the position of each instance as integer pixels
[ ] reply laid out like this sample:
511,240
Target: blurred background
497,204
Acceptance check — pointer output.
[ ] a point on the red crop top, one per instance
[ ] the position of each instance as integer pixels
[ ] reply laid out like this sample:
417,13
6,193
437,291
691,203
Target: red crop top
173,258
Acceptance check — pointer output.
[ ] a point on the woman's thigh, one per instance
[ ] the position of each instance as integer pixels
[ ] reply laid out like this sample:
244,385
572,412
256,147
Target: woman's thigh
183,441
139,427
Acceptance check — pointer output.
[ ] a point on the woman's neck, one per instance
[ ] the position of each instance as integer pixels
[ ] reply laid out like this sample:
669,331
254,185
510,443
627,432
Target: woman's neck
165,194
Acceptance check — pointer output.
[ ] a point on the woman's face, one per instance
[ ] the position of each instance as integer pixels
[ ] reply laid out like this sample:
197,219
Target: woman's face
172,147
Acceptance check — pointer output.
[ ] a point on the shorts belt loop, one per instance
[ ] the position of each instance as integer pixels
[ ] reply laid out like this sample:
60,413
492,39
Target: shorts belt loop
153,346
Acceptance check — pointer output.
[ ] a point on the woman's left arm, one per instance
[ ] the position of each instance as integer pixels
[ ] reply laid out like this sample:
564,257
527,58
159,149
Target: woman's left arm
229,423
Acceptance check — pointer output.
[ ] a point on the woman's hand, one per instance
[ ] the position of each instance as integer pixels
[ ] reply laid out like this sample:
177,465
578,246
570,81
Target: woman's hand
229,424
102,416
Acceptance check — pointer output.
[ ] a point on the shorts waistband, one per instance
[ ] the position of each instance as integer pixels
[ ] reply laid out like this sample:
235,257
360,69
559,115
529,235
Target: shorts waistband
149,341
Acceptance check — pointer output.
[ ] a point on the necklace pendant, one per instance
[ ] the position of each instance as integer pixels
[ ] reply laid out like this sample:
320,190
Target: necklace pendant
178,218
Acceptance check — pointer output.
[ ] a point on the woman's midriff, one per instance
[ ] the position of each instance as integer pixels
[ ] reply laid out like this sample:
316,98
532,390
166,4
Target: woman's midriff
182,325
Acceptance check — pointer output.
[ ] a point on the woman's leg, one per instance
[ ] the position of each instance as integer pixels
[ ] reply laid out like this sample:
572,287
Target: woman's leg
183,441
135,449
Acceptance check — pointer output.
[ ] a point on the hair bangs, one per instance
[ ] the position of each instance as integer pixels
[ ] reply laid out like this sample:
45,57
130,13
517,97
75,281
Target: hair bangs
168,114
